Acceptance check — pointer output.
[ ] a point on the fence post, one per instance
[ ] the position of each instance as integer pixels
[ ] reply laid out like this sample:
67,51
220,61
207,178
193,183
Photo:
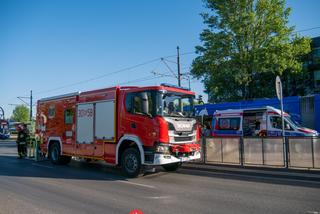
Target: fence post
312,150
204,150
262,150
221,149
241,150
286,151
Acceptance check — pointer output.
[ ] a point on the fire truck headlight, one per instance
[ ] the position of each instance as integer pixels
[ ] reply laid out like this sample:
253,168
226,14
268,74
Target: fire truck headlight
163,149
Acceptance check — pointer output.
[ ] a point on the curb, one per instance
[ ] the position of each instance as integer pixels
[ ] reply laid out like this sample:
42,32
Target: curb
259,172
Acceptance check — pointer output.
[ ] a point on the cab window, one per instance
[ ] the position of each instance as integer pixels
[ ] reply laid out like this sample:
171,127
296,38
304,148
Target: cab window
229,123
68,116
140,103
51,112
276,123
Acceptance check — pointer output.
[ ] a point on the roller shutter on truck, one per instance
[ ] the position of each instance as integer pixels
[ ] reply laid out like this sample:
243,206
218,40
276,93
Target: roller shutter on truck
85,123
104,120
95,120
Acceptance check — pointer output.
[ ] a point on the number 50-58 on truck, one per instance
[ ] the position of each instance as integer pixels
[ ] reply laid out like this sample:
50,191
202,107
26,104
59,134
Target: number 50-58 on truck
126,126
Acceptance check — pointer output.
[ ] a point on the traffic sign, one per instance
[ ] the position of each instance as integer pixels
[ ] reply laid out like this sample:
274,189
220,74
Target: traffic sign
280,97
279,88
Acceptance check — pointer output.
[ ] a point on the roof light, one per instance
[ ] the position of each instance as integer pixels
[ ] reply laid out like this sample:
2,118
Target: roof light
174,86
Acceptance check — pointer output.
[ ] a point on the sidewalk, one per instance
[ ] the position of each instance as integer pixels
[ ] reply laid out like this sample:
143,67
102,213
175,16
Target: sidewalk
299,174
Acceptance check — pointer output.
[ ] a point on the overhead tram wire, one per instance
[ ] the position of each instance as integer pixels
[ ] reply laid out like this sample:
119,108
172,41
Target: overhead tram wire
172,72
308,29
108,74
135,66
151,77
99,77
140,79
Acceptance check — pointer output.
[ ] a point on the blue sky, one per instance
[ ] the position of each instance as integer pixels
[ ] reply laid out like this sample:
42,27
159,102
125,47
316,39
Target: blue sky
46,45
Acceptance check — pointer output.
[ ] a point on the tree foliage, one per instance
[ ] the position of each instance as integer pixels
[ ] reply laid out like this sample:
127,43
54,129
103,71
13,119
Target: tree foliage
20,114
245,45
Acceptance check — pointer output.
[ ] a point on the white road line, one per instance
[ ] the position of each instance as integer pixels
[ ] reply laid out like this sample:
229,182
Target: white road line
49,167
312,212
159,197
137,184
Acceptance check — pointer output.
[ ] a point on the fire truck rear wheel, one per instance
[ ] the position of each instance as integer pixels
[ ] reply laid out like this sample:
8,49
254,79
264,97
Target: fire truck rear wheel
55,157
172,166
65,160
131,162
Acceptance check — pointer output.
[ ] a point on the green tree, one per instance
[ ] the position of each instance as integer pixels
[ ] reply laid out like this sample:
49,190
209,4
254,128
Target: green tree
245,45
20,114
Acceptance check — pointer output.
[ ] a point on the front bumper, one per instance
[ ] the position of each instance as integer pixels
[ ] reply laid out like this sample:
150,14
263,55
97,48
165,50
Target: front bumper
161,159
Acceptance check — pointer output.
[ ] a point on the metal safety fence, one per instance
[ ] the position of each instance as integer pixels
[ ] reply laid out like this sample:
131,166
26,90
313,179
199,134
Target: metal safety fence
33,149
288,152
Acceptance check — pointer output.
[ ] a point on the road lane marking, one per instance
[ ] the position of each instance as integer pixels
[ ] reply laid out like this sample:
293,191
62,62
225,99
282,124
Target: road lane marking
49,167
159,197
137,184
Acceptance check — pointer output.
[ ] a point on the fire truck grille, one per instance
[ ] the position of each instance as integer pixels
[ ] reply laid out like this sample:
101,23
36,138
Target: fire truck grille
179,139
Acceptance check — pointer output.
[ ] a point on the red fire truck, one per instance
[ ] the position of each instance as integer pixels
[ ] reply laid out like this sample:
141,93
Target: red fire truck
130,127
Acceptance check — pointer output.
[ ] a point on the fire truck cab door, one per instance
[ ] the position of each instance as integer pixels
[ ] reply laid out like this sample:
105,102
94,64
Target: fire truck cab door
138,120
85,127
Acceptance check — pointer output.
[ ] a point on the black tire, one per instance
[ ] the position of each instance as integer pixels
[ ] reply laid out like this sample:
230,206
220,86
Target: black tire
172,167
88,160
131,162
55,157
65,160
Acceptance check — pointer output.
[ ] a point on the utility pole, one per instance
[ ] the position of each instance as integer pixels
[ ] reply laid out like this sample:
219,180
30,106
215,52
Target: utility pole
179,70
178,63
179,75
31,105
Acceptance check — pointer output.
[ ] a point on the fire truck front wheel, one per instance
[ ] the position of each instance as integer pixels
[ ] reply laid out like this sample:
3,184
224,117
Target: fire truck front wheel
55,157
131,162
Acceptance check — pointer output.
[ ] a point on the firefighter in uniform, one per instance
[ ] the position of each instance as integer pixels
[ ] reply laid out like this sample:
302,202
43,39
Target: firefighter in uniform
23,136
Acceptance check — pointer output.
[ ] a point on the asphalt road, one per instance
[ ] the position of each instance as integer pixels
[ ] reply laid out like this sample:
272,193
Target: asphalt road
40,187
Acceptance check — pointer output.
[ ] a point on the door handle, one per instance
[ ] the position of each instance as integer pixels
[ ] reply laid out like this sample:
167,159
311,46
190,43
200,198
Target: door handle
133,125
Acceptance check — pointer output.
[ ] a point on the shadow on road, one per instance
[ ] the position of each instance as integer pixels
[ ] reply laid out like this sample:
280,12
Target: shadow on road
76,169
11,166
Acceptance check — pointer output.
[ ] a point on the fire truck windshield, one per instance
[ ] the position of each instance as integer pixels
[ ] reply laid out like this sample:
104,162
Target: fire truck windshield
167,104
175,104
